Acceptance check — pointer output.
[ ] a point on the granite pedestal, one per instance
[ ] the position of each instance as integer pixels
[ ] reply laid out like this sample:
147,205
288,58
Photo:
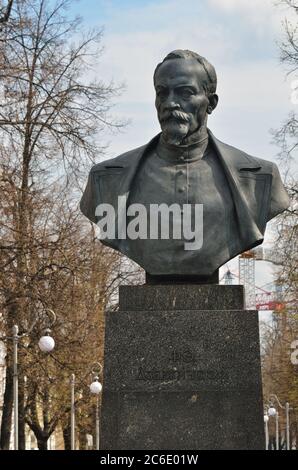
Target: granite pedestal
182,370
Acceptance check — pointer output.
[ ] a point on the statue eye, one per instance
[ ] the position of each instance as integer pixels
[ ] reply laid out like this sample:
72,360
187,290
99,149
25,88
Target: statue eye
162,93
186,92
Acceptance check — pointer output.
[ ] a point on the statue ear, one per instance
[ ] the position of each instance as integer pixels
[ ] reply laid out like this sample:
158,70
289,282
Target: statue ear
213,100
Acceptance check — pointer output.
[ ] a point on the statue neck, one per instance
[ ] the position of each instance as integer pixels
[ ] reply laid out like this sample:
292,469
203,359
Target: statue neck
193,148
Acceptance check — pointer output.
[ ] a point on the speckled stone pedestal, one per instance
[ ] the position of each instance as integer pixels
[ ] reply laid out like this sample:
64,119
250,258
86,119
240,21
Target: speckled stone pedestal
182,370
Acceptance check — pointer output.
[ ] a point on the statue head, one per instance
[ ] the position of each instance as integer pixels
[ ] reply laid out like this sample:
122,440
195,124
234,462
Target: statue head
185,85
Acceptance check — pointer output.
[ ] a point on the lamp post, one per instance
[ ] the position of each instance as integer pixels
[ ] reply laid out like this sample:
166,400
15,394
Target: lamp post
274,413
96,388
15,332
287,408
46,344
277,430
273,398
72,412
266,419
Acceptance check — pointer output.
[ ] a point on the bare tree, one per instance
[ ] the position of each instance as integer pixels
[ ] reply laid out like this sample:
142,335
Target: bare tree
287,140
73,278
5,12
52,110
279,374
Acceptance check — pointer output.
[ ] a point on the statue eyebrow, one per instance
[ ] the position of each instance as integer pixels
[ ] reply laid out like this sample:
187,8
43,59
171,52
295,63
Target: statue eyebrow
177,86
186,86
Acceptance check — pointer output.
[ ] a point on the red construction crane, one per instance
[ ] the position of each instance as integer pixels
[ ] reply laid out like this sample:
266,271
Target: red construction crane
263,299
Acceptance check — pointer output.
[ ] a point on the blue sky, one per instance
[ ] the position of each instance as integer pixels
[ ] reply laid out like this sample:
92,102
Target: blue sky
240,38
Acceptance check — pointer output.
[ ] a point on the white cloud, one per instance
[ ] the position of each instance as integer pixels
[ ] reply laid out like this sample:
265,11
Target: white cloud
262,15
259,85
254,98
241,4
133,56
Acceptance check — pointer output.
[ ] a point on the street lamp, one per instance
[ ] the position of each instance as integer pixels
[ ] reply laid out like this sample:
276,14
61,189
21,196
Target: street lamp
272,412
96,388
46,343
45,346
273,398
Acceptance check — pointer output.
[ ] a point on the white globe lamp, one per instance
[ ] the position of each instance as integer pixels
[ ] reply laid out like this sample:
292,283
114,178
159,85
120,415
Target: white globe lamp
96,387
46,344
272,411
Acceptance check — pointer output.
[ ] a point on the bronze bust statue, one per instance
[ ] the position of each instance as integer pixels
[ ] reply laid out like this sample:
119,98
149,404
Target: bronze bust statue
187,166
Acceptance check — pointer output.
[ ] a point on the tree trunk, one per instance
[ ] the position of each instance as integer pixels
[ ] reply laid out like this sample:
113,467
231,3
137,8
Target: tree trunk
82,440
42,444
7,410
67,437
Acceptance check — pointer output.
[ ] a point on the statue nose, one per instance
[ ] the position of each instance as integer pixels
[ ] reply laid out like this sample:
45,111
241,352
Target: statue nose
172,103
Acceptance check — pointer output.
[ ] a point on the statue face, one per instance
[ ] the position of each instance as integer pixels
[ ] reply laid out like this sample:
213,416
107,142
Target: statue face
181,100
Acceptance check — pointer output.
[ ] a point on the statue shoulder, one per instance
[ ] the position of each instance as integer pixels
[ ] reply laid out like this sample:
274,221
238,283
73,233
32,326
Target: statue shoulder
278,196
234,157
126,159
121,161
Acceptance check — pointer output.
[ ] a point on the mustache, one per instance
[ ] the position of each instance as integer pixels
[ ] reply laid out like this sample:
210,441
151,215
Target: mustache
177,115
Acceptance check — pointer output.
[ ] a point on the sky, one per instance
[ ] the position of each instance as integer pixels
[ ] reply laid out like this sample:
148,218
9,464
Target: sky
239,37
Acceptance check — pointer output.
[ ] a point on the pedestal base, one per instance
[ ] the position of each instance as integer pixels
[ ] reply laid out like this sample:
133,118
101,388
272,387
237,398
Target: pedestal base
182,370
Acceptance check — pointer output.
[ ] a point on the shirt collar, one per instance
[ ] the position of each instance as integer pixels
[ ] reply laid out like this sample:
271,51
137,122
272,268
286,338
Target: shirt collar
182,153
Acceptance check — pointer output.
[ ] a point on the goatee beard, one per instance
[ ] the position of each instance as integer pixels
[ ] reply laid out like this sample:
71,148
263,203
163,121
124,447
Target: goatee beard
174,131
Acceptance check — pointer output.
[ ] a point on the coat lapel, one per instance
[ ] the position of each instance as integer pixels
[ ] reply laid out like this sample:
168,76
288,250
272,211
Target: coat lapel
123,173
235,164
